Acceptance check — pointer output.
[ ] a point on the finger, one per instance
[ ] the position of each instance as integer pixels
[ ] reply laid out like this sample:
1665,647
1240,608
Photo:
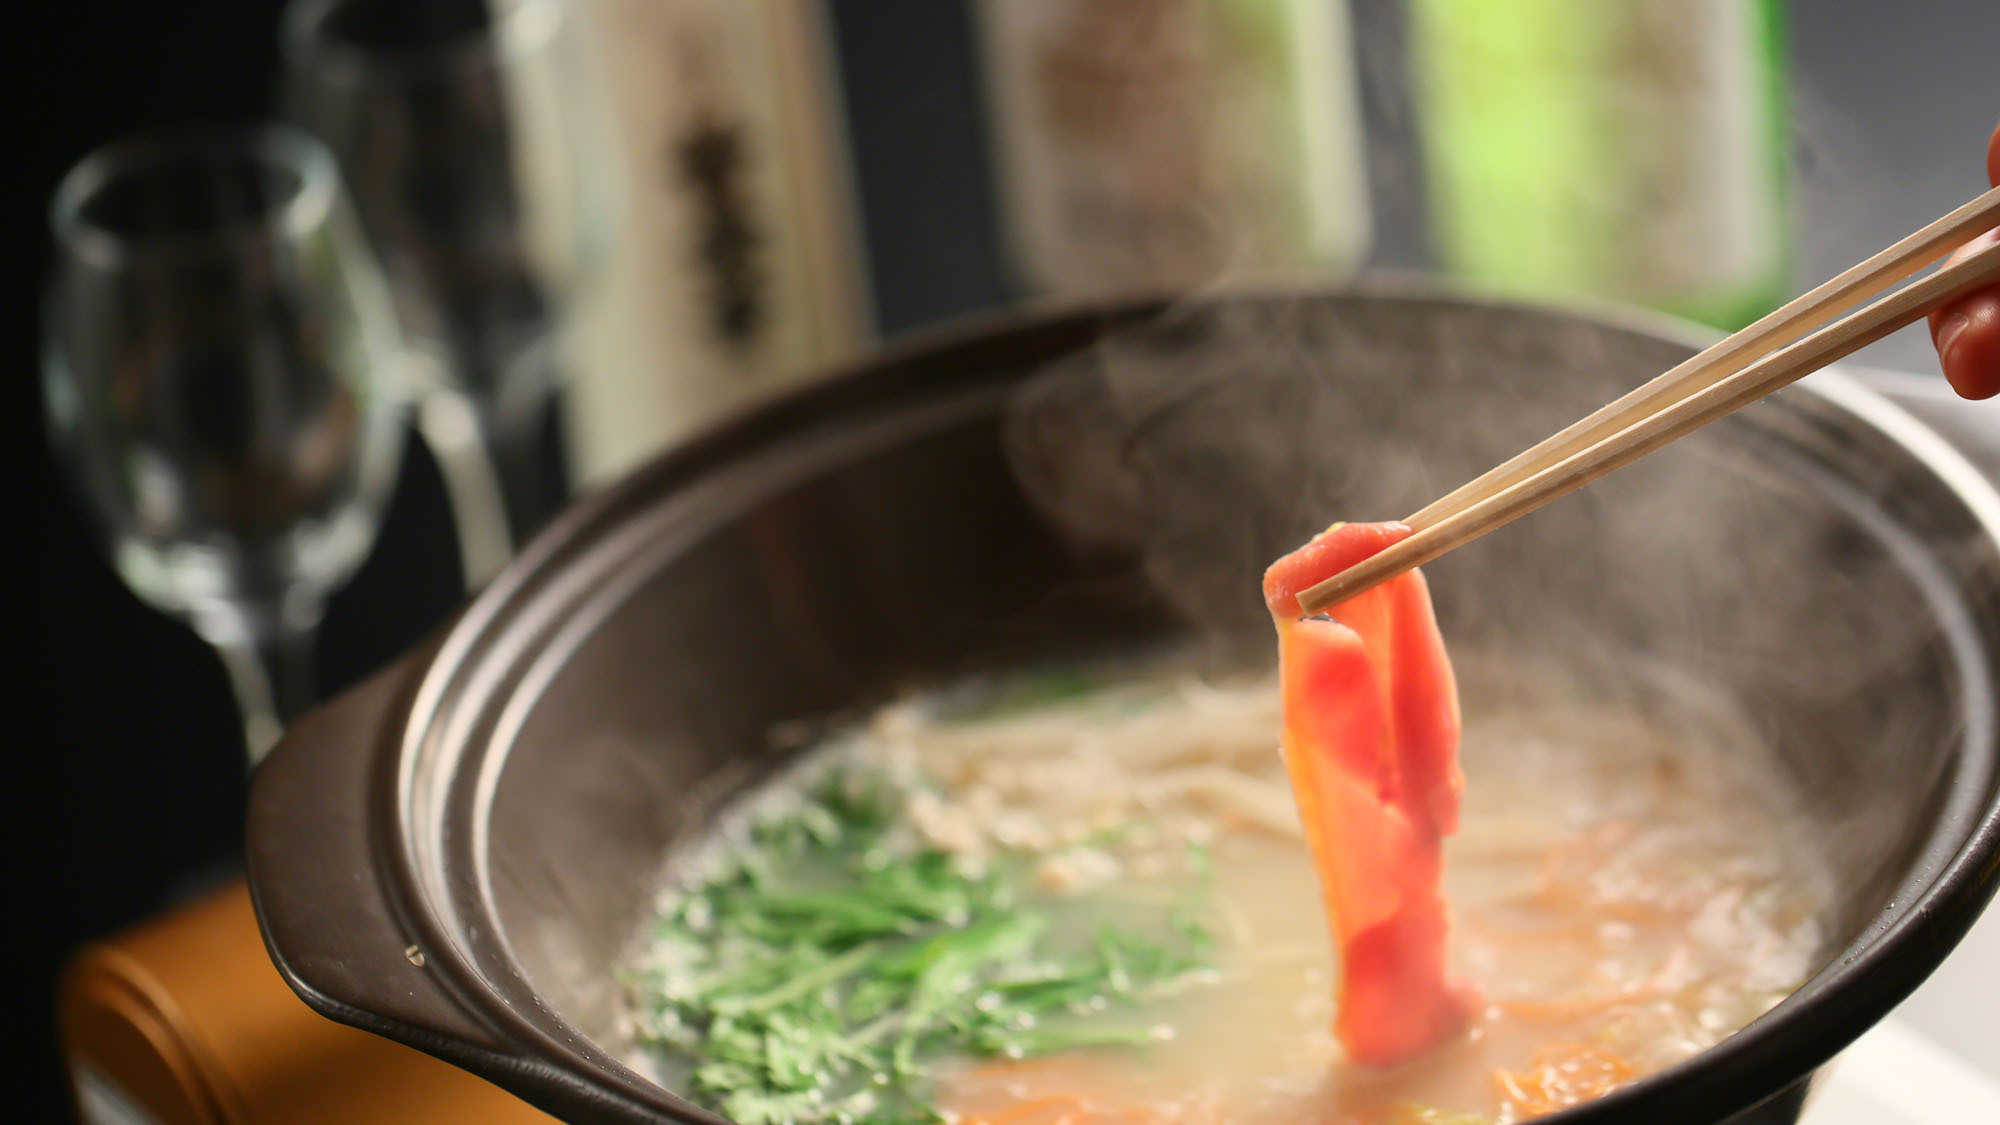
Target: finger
1969,344
1967,331
1967,334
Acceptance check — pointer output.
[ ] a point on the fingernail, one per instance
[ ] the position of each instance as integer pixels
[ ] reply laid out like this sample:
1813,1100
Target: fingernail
1948,330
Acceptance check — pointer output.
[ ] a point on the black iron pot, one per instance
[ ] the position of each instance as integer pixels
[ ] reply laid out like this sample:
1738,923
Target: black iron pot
454,854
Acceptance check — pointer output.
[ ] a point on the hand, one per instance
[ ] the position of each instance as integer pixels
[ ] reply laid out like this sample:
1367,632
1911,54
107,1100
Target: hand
1967,331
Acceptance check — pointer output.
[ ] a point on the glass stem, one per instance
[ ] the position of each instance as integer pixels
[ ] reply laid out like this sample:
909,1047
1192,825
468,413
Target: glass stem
512,429
285,649
268,654
451,425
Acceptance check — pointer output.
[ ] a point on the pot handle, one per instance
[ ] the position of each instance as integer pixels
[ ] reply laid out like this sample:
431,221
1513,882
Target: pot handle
325,914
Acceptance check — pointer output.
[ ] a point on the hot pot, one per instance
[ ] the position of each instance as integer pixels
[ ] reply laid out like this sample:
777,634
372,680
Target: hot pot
457,852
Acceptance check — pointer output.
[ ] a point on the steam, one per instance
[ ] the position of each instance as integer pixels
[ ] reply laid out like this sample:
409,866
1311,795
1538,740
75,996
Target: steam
1730,586
1851,199
1727,586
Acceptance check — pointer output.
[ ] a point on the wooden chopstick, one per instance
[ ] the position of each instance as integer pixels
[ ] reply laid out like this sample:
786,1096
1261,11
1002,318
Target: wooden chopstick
1547,475
1775,330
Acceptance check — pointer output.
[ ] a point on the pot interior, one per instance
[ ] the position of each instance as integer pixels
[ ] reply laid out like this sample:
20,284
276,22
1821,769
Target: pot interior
1090,484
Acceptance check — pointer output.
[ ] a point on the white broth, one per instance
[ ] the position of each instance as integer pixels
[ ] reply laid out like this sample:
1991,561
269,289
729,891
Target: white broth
1624,897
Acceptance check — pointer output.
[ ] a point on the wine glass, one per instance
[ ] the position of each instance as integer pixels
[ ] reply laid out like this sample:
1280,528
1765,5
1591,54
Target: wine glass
472,137
219,352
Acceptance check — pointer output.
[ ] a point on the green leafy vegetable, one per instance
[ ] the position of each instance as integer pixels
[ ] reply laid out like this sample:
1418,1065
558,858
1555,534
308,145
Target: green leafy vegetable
811,977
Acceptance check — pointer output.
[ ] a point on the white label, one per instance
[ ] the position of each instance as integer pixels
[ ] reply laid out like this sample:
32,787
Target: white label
1698,174
735,266
1173,142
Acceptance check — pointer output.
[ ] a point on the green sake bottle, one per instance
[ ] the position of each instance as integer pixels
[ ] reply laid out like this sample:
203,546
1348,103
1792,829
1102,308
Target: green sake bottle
1634,150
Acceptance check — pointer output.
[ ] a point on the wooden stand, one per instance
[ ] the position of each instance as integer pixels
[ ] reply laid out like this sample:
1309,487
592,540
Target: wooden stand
184,1021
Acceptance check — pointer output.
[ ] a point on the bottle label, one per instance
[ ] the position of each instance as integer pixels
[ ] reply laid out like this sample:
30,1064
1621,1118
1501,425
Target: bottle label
1166,142
736,267
1688,149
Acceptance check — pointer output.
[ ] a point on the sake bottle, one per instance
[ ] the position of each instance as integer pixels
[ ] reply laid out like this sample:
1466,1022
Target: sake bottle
1168,144
1627,149
738,265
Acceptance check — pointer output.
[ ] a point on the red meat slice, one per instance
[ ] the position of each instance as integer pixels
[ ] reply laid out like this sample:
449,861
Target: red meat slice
1371,744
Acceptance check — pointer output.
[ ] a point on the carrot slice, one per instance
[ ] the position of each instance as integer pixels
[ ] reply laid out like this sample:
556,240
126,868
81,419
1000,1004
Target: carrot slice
1371,745
1562,1075
1069,1104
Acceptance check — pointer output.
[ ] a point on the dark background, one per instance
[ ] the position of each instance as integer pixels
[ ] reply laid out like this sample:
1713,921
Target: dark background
125,787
